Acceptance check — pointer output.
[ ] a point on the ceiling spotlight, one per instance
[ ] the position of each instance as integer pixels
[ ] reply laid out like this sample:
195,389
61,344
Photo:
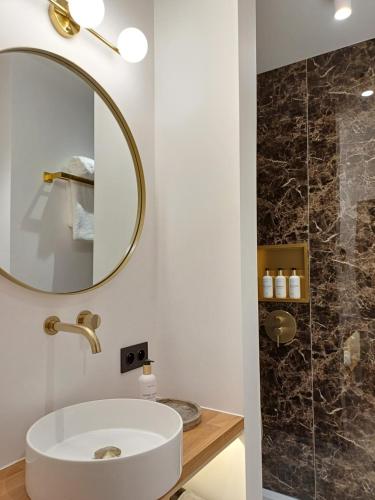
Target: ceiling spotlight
367,93
343,9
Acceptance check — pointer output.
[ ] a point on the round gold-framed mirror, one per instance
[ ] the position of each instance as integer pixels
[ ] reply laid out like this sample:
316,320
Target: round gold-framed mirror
71,178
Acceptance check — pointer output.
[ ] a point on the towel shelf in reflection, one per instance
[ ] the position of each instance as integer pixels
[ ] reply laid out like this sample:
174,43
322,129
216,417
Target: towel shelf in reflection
52,176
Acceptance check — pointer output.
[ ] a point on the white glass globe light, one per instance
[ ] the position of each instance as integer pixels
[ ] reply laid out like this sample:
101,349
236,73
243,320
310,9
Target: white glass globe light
367,93
87,13
132,45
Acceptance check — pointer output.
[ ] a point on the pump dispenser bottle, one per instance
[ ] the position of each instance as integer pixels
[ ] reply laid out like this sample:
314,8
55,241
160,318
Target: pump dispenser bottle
267,285
280,285
147,382
294,285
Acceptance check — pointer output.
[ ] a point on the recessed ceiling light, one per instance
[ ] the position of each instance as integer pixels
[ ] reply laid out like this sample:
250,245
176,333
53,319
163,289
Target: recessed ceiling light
343,9
367,93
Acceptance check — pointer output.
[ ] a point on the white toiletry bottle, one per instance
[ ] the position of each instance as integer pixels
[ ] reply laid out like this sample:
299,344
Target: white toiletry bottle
267,285
294,285
280,285
147,382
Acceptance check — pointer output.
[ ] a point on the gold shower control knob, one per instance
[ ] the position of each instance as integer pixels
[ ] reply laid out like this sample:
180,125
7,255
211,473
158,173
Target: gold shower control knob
87,318
276,321
281,327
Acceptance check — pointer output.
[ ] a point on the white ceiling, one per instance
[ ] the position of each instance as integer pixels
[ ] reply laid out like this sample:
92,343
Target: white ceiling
291,30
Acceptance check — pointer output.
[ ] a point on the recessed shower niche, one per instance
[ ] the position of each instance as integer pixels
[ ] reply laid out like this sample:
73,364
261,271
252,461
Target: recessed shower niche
285,257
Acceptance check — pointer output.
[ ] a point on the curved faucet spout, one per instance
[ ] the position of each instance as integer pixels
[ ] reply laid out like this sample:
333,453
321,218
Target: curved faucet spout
53,325
89,334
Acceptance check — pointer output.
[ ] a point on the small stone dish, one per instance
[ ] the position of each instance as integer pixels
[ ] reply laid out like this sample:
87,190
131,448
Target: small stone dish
191,413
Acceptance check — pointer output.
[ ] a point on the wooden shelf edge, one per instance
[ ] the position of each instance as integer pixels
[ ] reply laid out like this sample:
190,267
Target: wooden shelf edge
293,301
204,457
208,454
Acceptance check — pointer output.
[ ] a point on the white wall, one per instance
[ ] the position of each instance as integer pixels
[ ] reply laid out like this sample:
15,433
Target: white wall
248,149
205,85
5,162
198,194
116,193
52,120
197,338
39,373
292,30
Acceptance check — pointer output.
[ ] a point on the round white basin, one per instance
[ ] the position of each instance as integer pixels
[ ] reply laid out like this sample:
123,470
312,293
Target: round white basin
62,451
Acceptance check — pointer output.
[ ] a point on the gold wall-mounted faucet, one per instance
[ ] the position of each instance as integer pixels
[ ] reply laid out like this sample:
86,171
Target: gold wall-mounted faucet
86,325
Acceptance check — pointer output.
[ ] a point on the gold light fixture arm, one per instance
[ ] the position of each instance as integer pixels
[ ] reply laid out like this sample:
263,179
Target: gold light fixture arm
67,27
59,7
86,326
104,40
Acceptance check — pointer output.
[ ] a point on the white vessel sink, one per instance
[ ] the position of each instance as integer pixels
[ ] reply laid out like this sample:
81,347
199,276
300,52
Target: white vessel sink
60,452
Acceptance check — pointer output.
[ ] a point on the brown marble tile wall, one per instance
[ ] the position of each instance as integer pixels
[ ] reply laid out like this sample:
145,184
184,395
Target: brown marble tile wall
286,378
282,155
288,451
342,245
316,183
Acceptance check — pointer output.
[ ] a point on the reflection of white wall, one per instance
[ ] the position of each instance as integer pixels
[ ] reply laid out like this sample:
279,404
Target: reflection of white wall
5,162
52,120
115,193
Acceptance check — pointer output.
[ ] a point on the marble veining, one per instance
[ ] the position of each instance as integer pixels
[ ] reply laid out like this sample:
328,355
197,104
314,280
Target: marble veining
342,243
282,155
316,183
287,416
286,381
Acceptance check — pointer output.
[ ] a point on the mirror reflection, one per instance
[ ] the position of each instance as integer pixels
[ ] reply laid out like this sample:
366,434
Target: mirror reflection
69,194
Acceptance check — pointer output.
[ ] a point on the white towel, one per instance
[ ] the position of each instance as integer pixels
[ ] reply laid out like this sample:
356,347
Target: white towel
81,199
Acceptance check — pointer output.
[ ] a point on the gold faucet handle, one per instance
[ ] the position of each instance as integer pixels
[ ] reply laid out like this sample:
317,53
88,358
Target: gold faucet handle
87,318
280,326
276,321
49,325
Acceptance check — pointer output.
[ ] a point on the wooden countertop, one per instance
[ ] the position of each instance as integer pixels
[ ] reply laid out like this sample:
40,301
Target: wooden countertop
12,482
201,444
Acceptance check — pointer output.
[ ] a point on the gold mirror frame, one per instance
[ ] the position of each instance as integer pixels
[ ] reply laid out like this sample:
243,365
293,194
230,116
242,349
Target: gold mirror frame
141,187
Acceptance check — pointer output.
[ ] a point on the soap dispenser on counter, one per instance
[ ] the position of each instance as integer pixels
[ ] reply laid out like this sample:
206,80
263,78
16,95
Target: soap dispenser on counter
147,382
